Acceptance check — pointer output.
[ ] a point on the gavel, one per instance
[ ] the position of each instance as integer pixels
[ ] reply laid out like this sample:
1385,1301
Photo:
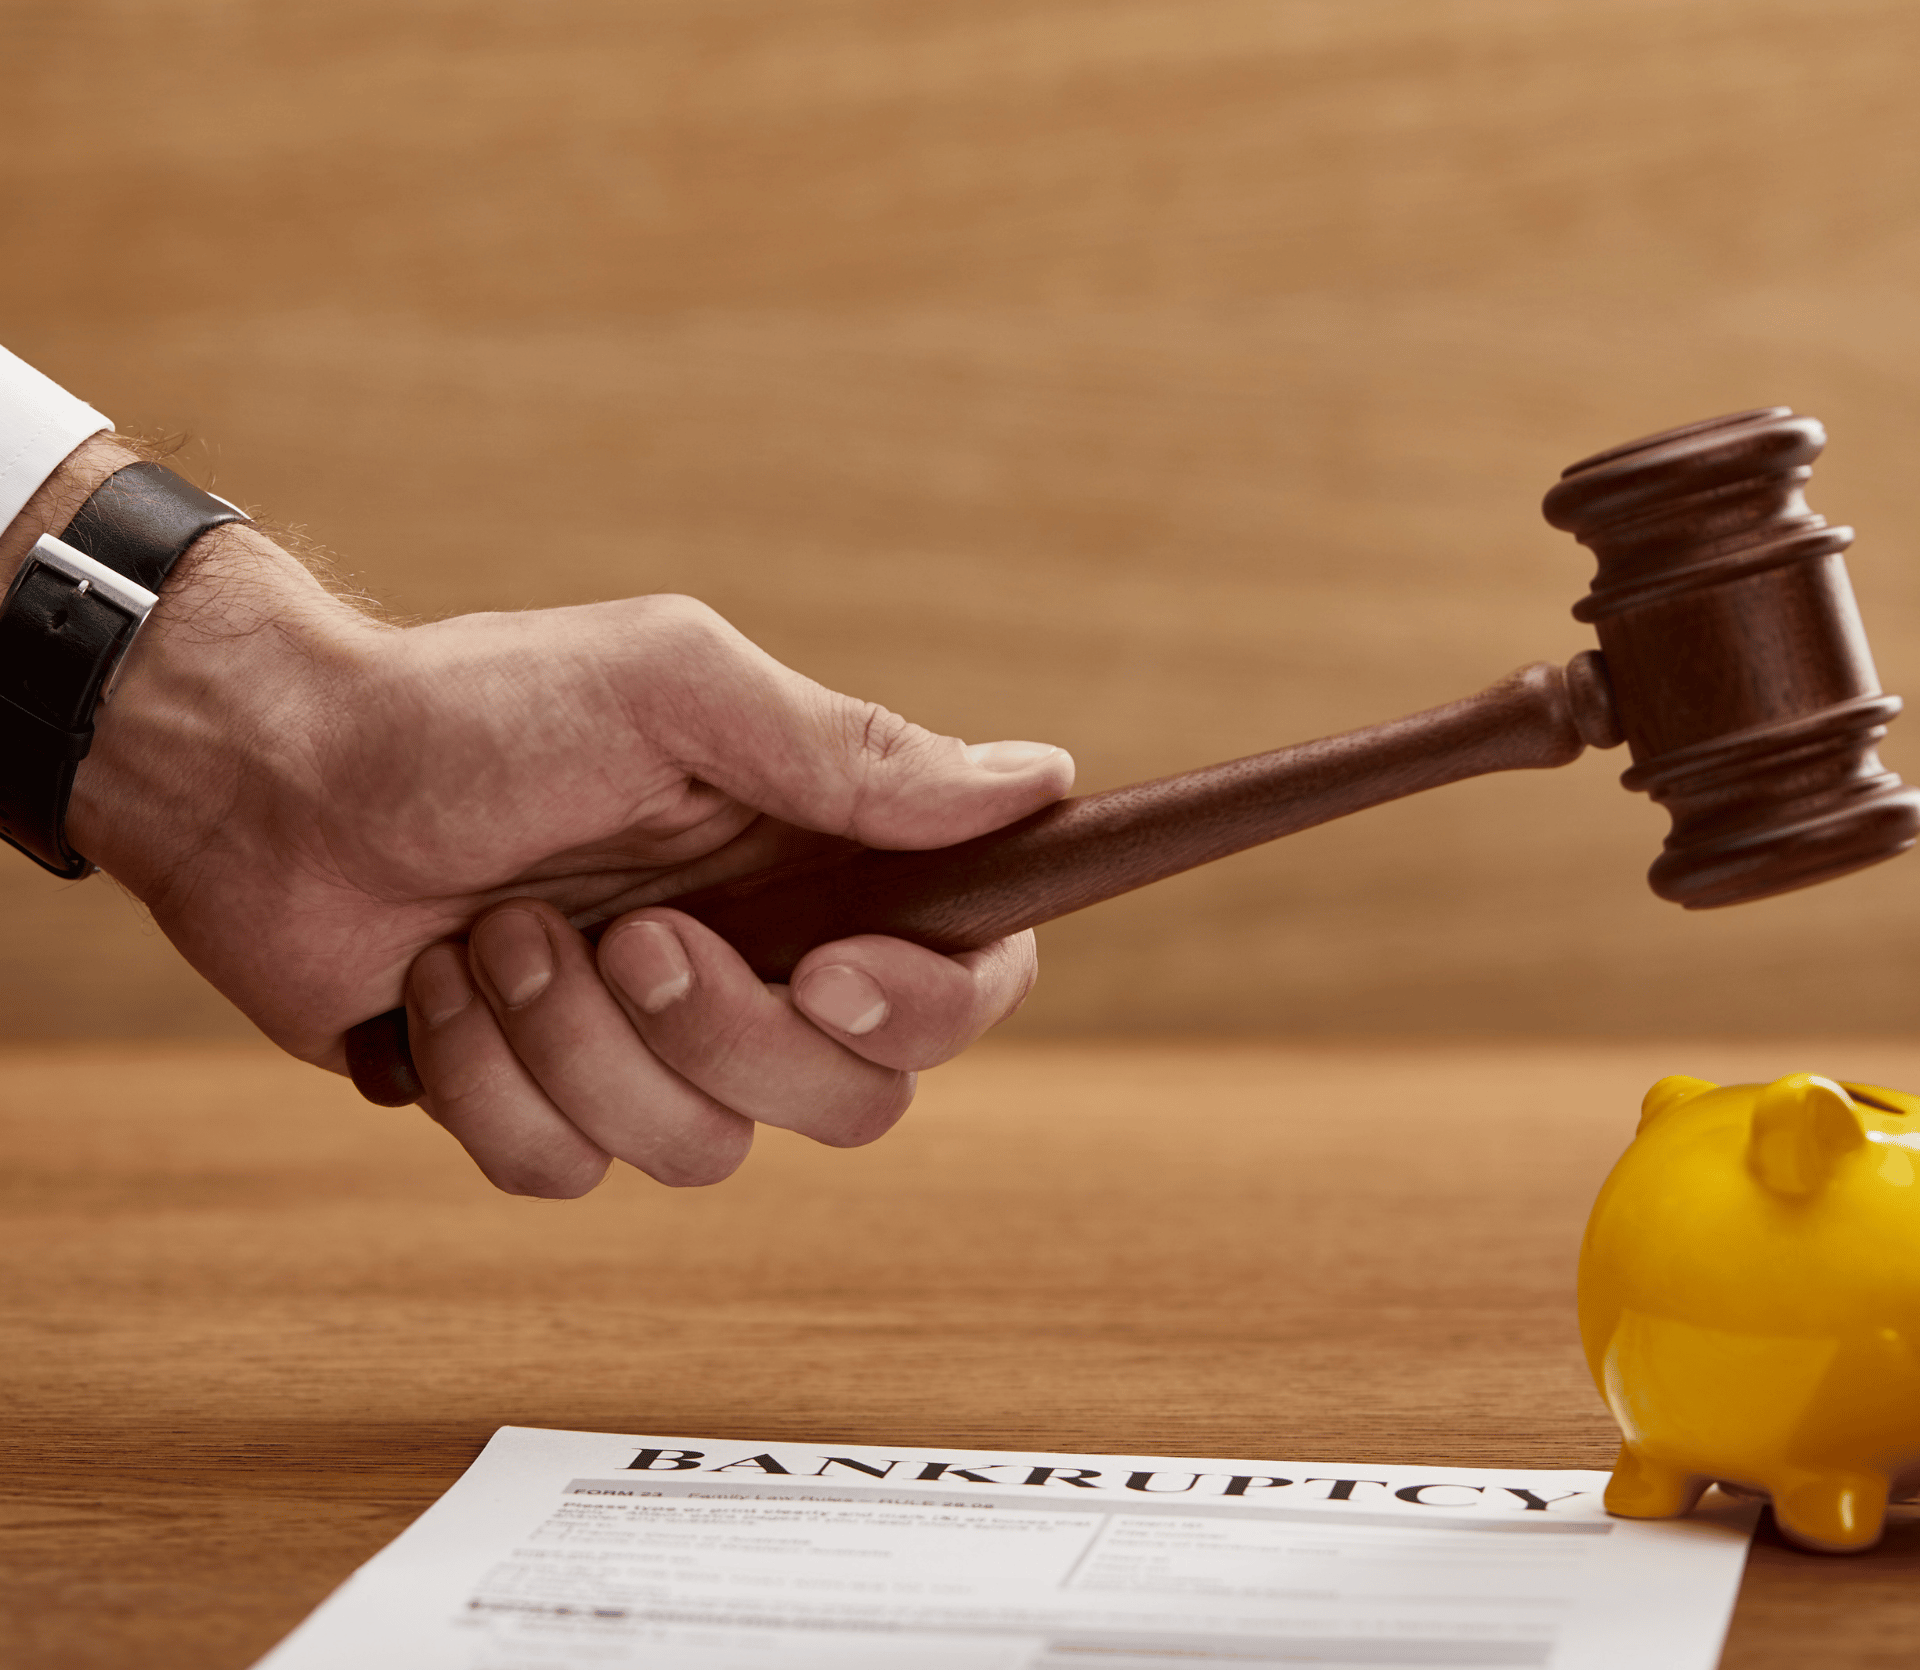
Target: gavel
1732,663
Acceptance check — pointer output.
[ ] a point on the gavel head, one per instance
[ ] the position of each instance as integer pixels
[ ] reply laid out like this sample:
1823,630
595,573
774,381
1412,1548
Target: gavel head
1742,678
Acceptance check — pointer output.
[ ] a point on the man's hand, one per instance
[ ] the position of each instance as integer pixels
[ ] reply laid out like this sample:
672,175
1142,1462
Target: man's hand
317,808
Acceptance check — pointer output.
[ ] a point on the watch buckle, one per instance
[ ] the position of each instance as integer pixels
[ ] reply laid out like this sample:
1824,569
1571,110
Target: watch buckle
91,578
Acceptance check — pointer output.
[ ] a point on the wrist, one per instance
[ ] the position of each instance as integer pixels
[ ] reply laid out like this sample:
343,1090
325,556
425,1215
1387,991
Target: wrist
60,496
213,702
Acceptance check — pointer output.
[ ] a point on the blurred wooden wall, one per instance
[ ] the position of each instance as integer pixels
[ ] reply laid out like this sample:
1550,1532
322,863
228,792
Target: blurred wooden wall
1165,378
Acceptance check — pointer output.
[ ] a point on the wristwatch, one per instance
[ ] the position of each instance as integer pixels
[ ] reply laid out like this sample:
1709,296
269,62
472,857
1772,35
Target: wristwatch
66,624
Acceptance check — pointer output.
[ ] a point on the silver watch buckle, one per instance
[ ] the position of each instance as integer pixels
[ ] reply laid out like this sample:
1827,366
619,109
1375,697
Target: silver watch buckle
93,578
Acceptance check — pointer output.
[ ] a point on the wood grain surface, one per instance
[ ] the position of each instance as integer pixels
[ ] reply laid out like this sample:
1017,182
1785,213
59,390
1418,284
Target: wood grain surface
250,1326
1170,379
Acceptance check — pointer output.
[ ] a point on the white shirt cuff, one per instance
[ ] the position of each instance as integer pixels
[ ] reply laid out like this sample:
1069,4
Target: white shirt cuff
40,423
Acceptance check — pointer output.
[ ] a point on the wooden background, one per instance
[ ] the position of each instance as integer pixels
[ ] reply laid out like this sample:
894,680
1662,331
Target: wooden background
1165,378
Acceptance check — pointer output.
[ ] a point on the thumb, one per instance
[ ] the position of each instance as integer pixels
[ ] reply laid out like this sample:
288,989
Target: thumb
729,714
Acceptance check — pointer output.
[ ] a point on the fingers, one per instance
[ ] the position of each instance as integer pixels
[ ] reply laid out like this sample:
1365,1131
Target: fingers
731,715
477,1088
665,1049
903,1006
573,1040
704,1012
505,1044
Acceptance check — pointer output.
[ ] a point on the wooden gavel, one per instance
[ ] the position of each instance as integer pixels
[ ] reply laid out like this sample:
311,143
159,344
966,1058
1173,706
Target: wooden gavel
1731,661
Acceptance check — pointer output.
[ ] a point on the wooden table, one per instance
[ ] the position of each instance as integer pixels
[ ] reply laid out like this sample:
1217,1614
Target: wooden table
252,1326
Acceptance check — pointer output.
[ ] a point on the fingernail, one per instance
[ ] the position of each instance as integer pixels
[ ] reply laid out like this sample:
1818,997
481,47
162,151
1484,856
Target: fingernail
1008,756
647,961
843,997
513,949
441,988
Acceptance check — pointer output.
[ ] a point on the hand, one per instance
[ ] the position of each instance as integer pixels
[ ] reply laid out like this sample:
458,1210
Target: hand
314,806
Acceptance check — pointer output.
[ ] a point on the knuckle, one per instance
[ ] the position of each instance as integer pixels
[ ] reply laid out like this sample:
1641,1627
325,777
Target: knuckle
679,1144
895,772
727,1031
714,1163
545,1180
1019,968
882,752
855,1123
688,642
470,1095
1000,977
470,1081
878,737
676,614
882,733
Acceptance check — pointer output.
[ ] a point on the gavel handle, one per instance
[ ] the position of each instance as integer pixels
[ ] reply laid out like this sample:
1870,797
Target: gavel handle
1077,852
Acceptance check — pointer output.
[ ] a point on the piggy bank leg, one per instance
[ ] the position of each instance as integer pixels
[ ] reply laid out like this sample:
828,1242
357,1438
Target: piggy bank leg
1645,1489
1836,1513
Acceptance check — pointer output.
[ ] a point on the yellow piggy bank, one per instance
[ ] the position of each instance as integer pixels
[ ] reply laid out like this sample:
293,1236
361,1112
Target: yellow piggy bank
1750,1302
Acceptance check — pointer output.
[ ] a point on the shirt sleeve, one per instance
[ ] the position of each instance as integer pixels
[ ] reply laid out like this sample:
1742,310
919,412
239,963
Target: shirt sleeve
40,423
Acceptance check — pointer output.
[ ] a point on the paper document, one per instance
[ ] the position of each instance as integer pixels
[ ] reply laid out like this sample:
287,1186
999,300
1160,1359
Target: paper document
559,1550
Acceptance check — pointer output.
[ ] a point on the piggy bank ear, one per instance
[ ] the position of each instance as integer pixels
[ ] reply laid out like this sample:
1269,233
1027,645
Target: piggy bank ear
1670,1092
1802,1125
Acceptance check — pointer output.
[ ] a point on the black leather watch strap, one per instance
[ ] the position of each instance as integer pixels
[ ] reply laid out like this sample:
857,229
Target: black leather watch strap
65,623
